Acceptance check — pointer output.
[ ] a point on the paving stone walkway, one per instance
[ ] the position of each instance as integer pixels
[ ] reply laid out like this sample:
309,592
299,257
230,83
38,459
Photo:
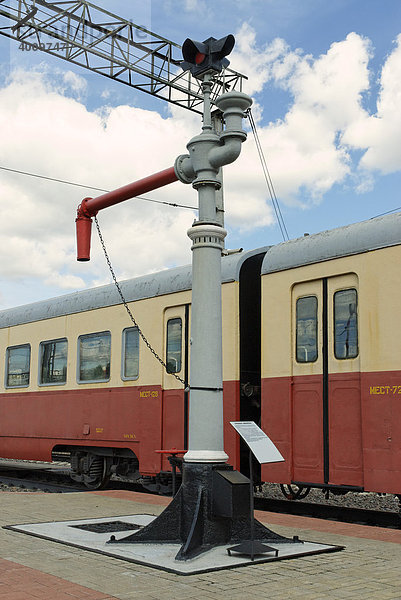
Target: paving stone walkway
369,568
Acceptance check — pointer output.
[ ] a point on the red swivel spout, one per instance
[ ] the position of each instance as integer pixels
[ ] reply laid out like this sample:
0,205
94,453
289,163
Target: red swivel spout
90,206
83,224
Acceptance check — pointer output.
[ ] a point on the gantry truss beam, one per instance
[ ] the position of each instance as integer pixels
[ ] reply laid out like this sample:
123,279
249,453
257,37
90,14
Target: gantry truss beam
91,37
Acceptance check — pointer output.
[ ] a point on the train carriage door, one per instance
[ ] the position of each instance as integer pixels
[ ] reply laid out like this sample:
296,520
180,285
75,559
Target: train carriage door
326,402
175,399
345,459
307,383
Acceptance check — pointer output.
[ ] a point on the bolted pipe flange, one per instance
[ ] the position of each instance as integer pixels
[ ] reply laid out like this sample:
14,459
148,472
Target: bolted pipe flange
183,168
199,182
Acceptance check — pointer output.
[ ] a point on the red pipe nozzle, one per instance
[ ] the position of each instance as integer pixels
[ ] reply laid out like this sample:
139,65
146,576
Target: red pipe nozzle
84,229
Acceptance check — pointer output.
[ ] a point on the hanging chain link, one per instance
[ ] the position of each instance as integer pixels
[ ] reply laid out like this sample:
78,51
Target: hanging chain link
127,308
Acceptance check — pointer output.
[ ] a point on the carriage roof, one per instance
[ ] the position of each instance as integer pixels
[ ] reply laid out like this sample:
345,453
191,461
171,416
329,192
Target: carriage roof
380,232
164,282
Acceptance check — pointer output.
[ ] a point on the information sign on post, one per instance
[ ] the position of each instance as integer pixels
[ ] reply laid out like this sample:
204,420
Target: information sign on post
257,441
261,446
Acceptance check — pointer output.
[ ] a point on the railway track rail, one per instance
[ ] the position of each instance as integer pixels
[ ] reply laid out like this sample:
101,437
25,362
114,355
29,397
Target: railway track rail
35,476
23,484
27,476
55,479
345,514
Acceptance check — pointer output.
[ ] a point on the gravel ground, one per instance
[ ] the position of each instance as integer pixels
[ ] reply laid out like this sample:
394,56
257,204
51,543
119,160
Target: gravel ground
19,490
365,500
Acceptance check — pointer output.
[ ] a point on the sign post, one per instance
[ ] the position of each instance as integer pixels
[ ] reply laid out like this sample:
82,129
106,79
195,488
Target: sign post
260,446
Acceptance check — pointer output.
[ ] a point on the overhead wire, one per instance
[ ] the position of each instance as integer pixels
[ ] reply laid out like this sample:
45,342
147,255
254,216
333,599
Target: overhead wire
90,187
155,354
268,179
266,172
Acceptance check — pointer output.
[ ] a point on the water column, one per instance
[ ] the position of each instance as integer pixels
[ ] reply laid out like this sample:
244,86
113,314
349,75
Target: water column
207,153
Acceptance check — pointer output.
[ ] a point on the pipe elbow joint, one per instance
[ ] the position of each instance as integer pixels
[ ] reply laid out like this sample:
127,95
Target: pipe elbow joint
184,169
233,106
226,154
83,211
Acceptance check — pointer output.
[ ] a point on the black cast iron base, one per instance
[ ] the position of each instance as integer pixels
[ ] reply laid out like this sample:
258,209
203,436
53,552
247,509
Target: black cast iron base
192,520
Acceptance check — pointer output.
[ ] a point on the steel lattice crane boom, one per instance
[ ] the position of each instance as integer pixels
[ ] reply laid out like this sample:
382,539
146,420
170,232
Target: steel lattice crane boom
98,40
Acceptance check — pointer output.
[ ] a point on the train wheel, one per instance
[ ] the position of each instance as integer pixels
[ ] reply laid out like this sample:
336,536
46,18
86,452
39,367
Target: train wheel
294,492
91,470
98,476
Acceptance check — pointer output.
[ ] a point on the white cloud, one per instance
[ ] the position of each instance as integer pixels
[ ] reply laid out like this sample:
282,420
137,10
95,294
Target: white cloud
254,61
196,6
380,134
304,149
75,83
57,136
50,134
50,131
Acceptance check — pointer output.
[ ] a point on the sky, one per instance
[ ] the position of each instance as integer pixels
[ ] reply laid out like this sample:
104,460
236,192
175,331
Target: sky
325,79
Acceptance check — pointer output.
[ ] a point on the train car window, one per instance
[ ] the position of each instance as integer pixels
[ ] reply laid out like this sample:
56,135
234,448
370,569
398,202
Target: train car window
174,343
345,324
130,354
94,353
306,329
53,362
18,360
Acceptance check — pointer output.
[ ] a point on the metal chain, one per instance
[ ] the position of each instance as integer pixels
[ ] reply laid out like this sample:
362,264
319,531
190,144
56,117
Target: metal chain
127,308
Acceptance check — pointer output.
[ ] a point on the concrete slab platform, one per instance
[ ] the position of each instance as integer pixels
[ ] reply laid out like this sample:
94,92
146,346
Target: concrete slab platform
93,534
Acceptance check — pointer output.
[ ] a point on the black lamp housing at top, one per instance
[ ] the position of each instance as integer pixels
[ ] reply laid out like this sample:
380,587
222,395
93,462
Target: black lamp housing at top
209,55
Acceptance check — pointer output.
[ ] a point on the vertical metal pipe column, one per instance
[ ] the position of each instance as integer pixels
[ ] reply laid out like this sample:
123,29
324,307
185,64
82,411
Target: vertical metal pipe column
206,443
190,519
208,152
207,236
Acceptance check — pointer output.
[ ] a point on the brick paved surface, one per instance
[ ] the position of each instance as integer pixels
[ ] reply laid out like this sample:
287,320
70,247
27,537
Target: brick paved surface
23,583
369,567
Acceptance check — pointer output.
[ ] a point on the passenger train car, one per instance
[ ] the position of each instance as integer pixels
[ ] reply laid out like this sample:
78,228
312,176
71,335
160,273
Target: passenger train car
311,352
